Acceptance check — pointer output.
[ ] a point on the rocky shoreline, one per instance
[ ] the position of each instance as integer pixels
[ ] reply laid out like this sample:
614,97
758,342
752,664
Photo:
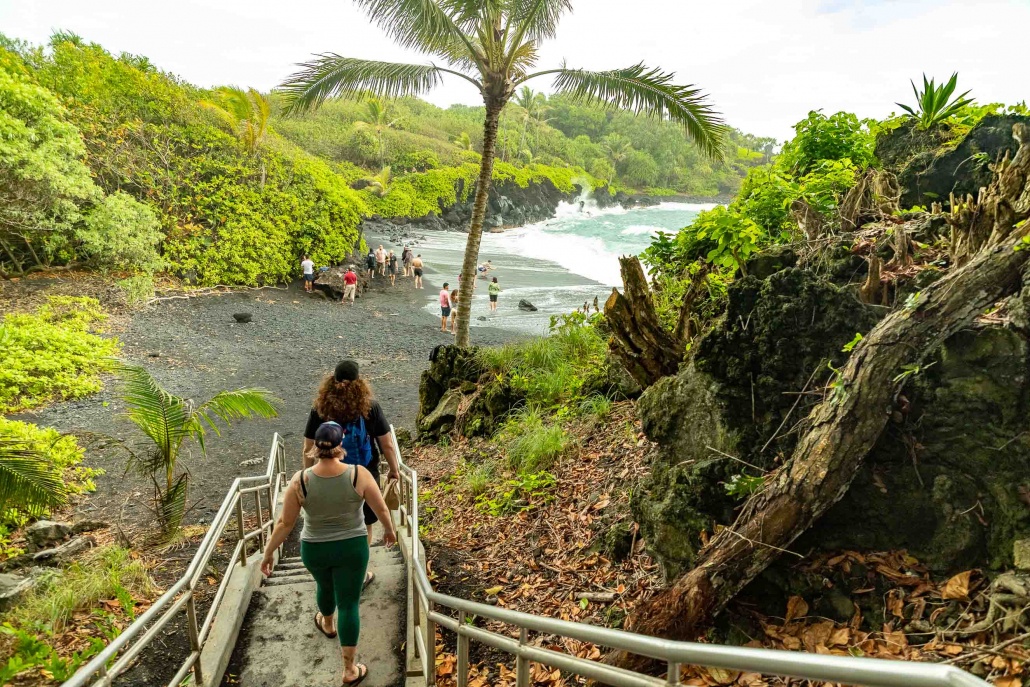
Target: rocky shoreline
510,206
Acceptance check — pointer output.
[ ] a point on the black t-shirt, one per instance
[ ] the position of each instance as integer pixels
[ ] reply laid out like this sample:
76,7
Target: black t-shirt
376,425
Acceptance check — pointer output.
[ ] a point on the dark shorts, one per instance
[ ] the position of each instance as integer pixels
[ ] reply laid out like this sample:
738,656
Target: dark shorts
445,311
370,516
418,271
493,297
309,277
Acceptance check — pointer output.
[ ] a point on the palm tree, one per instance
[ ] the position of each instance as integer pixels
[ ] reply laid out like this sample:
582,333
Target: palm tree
533,104
378,119
381,182
167,421
463,141
618,148
27,481
493,45
245,114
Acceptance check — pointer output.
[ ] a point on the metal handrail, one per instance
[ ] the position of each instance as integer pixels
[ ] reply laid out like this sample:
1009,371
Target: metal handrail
111,662
872,672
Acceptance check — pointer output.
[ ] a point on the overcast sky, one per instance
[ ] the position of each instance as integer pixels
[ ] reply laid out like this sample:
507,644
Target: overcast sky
765,63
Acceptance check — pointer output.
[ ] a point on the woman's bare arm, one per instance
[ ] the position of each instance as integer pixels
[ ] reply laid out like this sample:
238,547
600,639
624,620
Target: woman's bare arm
369,490
285,524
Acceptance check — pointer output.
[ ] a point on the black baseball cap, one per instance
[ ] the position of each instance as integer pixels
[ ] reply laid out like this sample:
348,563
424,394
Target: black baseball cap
328,435
347,370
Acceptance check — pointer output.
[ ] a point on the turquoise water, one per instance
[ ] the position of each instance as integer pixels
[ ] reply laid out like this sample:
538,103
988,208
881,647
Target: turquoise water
556,265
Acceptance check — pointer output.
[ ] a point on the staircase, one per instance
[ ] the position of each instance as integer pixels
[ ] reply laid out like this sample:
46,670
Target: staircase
280,644
268,624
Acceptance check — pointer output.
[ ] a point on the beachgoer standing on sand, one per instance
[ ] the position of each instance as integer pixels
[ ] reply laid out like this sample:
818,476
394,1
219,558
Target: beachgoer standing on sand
406,256
381,260
370,263
416,267
454,309
393,268
309,273
333,547
350,285
494,289
445,306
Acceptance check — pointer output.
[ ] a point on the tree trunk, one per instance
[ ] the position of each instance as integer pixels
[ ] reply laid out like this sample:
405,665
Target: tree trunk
842,431
468,267
639,340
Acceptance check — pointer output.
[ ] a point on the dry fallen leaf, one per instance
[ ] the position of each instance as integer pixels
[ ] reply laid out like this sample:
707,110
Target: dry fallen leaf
958,586
796,608
493,591
1009,681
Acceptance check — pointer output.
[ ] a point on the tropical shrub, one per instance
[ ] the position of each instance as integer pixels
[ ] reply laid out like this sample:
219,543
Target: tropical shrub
167,421
765,197
935,104
817,137
122,233
52,353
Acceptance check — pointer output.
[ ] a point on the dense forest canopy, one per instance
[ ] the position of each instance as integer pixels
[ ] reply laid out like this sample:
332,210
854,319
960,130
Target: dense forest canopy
217,186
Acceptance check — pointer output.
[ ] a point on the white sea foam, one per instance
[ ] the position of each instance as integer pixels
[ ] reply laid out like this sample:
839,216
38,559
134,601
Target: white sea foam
641,229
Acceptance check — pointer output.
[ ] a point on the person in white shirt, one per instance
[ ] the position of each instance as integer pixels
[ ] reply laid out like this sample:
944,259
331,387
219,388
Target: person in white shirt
309,273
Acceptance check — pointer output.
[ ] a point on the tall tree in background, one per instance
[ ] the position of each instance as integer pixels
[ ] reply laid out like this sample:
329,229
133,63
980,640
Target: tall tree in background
378,118
245,114
533,105
494,45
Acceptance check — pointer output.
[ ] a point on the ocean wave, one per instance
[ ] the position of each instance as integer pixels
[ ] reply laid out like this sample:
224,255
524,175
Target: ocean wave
587,256
641,229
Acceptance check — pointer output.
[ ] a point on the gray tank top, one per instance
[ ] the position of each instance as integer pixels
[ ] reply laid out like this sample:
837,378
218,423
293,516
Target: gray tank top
332,508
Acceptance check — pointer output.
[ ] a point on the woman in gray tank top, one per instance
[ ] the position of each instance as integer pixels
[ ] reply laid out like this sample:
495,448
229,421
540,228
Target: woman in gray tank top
333,542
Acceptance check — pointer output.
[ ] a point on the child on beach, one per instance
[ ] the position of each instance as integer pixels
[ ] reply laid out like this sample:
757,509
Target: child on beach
493,289
445,306
309,273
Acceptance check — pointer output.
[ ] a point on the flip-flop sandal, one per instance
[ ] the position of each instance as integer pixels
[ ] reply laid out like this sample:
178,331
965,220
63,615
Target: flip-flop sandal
369,579
362,674
318,623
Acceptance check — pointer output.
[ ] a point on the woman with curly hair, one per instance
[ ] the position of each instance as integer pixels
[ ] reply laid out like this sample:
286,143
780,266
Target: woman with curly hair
345,398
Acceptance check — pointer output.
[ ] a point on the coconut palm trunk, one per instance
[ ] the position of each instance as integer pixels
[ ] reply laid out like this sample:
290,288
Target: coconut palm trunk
468,266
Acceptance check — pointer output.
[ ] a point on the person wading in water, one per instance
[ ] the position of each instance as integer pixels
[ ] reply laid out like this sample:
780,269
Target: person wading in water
347,399
333,546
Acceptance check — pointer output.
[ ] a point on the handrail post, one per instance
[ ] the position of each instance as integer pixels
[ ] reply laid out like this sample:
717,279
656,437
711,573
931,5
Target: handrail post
240,530
673,676
522,663
261,520
463,652
191,625
429,639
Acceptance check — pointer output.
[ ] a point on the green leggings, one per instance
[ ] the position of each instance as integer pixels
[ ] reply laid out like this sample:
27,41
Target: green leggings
339,571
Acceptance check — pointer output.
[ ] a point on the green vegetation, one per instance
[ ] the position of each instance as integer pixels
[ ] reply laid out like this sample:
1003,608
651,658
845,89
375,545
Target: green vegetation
935,104
533,442
495,47
35,625
52,353
524,493
167,421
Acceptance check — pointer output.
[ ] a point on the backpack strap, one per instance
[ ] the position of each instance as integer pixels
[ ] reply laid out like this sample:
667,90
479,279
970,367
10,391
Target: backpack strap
303,483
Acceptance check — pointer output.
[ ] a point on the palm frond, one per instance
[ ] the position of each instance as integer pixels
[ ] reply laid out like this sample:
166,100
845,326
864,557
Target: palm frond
229,406
650,92
424,25
27,481
162,417
171,505
537,20
330,75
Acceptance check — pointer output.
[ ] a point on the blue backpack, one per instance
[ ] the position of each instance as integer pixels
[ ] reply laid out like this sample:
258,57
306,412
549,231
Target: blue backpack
357,443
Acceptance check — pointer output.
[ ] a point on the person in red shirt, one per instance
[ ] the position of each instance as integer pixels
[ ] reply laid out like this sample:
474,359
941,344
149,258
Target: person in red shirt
350,284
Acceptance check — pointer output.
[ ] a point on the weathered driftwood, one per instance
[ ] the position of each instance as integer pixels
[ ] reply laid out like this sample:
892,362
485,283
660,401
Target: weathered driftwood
808,219
842,431
639,340
1005,202
874,196
872,290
